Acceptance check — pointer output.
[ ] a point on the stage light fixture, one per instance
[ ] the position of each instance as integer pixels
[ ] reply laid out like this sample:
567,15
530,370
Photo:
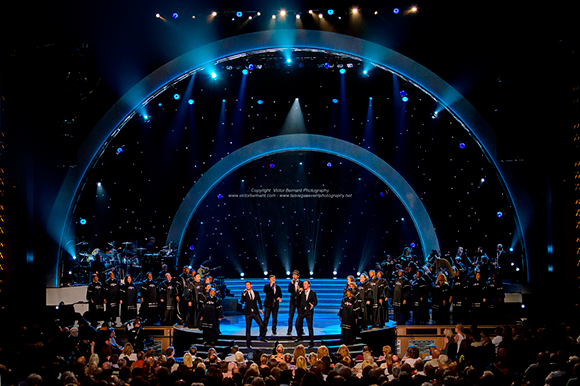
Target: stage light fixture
119,150
511,249
370,98
213,75
499,214
405,99
482,180
83,221
175,15
523,305
273,16
272,166
412,245
99,184
214,13
250,67
259,14
435,115
355,10
396,11
330,12
357,273
334,272
376,12
288,60
288,273
310,11
320,16
220,196
242,274
402,218
326,65
342,71
176,96
300,163
265,273
297,16
382,194
191,247
311,273
157,15
283,13
250,18
335,100
365,72
329,165
512,264
245,72
74,257
414,9
260,101
517,269
190,101
462,145
239,14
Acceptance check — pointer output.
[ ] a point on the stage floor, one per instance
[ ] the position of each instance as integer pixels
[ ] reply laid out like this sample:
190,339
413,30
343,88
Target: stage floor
324,325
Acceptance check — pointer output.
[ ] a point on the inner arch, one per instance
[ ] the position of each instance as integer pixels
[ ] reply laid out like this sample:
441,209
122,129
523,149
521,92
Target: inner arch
307,142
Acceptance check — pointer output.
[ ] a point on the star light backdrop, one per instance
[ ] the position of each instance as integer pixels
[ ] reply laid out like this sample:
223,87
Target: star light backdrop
158,156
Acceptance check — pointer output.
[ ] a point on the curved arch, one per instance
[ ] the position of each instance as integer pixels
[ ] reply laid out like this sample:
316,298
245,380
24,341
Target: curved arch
309,142
140,94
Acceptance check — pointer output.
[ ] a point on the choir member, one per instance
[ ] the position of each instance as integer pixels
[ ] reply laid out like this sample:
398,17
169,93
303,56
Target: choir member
348,315
211,315
128,300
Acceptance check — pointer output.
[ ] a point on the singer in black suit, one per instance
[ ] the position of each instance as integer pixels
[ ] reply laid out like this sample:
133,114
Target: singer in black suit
294,288
308,301
272,303
252,310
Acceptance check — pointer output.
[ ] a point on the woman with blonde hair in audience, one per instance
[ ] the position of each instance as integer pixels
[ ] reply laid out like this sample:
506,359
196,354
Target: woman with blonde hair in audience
322,351
279,352
188,360
128,353
299,351
312,358
301,363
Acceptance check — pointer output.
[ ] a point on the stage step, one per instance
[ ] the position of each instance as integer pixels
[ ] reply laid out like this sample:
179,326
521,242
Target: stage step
328,291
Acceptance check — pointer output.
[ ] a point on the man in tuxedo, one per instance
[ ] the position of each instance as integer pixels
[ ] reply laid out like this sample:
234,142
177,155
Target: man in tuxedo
308,301
272,303
252,310
294,288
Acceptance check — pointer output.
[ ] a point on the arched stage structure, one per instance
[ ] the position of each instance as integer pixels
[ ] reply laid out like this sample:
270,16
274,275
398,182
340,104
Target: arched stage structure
308,142
59,223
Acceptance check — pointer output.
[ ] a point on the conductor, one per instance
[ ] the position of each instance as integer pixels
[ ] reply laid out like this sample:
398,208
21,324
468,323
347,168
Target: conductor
252,310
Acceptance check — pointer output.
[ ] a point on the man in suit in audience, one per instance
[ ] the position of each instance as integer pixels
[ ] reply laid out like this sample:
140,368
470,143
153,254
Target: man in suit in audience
308,301
272,303
252,310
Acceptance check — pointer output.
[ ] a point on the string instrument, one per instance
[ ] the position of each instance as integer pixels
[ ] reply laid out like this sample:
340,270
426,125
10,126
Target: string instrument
204,271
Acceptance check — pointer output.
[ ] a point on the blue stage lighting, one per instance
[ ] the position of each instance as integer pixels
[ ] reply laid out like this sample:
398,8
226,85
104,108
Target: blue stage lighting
83,221
145,117
334,272
260,101
191,101
300,163
462,145
342,71
119,150
245,72
288,60
311,273
499,214
365,72
176,96
412,245
74,257
329,165
405,99
213,75
288,273
175,15
330,11
220,196
272,166
382,194
396,11
223,100
191,247
242,274
335,100
326,65
370,98
402,93
250,67
238,14
265,273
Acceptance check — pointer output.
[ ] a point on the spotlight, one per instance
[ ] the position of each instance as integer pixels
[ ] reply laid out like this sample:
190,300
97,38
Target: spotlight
330,12
435,115
499,214
176,96
402,93
335,100
355,10
311,273
523,305
288,60
349,65
242,274
405,99
376,12
297,16
329,165
334,272
214,13
365,72
396,11
245,72
157,15
300,163
260,101
265,273
175,15
119,150
382,194
238,14
320,16
482,180
282,13
310,11
259,14
288,273
511,249
462,145
342,71
220,196
402,218
99,184
250,67
326,65
83,221
70,273
213,75
190,101
357,273
191,247
272,166
414,9
513,264
273,16
74,257
518,269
